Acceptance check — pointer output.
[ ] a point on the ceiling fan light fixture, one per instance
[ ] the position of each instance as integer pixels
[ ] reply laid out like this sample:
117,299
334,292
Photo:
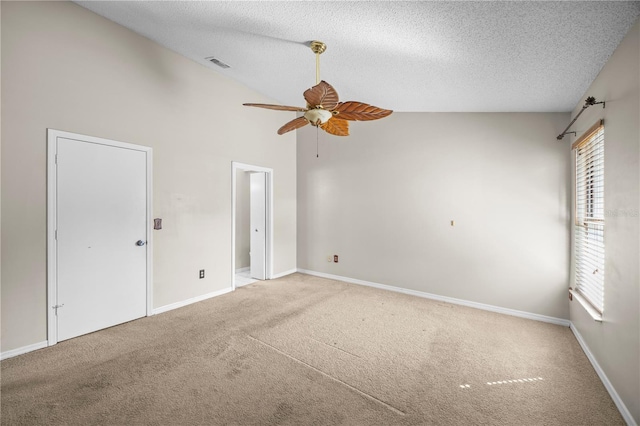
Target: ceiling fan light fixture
317,116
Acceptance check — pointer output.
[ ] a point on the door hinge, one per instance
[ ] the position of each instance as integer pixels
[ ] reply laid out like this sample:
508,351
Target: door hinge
56,307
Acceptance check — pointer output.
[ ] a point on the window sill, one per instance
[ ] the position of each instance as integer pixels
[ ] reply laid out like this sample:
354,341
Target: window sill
590,310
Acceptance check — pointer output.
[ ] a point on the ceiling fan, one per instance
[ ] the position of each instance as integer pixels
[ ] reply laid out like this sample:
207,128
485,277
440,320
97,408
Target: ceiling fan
324,108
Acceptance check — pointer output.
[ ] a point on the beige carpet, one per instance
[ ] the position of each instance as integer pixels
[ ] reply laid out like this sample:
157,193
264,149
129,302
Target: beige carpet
303,350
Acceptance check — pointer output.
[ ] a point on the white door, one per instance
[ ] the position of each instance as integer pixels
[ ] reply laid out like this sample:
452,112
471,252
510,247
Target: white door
258,206
101,236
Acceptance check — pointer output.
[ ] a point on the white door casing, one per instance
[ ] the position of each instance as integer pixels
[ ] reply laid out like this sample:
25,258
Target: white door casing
99,208
258,224
268,173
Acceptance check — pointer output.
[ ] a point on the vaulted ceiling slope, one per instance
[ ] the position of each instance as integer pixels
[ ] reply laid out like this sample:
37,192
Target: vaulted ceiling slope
407,56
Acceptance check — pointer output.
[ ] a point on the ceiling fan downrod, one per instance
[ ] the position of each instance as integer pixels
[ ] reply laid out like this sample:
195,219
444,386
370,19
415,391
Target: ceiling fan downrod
318,48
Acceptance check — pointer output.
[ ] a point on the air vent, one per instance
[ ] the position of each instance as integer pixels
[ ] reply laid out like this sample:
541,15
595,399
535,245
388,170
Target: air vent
218,62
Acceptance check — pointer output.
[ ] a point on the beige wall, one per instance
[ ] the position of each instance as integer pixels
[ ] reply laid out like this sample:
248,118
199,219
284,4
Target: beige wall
383,200
66,68
615,342
0,178
243,210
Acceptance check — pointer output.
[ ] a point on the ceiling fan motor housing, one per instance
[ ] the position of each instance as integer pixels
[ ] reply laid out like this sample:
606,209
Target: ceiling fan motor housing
318,116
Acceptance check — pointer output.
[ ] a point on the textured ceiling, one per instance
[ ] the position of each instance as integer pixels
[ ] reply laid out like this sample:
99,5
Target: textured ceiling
405,56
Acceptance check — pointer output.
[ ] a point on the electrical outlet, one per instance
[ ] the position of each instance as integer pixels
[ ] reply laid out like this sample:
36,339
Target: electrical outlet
201,273
335,258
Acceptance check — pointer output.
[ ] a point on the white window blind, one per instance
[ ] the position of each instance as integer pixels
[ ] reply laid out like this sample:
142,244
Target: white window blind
589,216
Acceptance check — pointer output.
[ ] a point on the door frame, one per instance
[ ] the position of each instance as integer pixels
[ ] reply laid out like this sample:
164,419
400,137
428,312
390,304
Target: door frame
52,253
268,252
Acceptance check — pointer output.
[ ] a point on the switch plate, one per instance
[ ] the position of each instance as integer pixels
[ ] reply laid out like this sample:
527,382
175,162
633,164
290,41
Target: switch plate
329,259
201,273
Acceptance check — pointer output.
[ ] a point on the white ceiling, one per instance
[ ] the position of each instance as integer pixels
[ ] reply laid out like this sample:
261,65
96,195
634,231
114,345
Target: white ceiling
405,56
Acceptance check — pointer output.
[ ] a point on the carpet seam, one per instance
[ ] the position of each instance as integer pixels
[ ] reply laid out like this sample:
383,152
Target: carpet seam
366,395
335,347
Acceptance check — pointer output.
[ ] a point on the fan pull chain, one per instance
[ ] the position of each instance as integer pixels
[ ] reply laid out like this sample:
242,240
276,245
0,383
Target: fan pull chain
317,155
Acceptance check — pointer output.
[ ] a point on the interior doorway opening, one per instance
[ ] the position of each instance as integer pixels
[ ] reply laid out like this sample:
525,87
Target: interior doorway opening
252,224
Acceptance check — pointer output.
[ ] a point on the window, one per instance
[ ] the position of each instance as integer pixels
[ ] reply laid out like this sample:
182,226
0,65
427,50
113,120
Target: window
589,216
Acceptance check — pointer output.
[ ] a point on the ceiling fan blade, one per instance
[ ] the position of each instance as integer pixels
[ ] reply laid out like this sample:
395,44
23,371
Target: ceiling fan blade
292,125
322,94
358,111
277,107
336,126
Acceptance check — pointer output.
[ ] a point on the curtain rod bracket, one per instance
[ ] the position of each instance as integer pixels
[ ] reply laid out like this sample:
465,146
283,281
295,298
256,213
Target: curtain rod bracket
587,103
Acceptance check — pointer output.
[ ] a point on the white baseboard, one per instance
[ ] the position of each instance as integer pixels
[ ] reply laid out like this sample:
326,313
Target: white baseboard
23,350
246,268
182,303
477,305
285,273
626,415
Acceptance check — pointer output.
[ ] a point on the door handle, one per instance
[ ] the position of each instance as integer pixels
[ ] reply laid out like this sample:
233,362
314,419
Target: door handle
140,243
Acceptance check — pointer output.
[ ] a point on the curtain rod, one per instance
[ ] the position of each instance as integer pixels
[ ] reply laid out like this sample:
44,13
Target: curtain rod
587,103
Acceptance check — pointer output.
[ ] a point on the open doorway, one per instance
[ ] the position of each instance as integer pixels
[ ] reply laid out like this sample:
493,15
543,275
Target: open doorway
252,225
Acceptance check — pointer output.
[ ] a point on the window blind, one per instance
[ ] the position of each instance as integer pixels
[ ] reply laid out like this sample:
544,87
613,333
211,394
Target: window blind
589,216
